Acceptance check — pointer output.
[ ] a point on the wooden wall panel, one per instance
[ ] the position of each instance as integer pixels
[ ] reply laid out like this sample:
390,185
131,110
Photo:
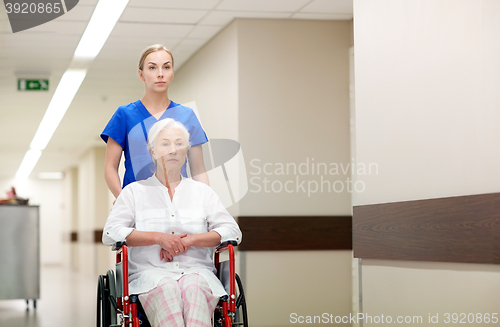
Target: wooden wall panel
456,229
295,233
290,233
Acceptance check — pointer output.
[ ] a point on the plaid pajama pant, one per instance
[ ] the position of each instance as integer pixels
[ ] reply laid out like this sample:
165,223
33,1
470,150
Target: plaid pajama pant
186,302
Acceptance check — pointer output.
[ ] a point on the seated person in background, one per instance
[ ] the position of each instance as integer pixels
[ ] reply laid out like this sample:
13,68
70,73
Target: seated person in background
171,224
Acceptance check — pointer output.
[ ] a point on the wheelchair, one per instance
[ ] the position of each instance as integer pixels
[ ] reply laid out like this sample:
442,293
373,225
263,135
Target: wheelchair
117,308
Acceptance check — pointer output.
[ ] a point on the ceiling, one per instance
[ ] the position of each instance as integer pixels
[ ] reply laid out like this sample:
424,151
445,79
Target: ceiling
46,51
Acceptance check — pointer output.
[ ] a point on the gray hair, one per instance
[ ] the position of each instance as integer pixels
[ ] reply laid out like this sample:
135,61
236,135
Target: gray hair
159,126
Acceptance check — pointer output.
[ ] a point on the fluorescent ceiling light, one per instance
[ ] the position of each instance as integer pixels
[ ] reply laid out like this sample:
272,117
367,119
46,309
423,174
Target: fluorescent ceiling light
30,159
104,18
50,175
64,94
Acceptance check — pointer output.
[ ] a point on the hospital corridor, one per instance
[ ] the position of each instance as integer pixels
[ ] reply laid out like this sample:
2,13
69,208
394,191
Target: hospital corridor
67,298
347,151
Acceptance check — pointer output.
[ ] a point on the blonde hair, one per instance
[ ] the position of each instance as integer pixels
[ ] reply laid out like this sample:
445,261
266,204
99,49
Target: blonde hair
151,49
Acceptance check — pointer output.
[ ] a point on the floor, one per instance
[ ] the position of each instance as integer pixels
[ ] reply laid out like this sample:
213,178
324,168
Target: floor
67,299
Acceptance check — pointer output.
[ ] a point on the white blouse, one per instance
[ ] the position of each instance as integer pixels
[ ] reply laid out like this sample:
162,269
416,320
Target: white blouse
146,206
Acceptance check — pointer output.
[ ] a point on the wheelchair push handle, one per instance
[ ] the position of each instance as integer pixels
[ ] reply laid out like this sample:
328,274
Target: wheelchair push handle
220,248
118,245
224,246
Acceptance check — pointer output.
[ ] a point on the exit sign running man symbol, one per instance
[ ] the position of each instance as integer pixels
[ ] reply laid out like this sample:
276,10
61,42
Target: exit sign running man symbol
32,84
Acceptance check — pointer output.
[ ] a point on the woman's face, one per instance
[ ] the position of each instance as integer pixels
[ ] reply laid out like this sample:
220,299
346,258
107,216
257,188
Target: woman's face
172,146
157,72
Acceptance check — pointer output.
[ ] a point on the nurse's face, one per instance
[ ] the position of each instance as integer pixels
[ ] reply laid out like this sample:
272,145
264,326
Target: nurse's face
172,146
157,72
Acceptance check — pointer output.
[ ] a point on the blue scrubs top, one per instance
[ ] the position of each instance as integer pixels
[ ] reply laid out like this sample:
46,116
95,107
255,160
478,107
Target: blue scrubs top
129,127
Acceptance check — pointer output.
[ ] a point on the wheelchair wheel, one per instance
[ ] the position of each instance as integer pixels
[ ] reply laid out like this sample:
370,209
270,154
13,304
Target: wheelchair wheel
103,306
240,318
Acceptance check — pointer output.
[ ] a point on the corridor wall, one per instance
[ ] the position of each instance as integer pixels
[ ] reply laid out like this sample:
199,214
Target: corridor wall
93,256
427,114
281,89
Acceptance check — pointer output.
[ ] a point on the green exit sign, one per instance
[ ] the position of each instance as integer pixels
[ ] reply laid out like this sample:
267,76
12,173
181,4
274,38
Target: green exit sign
24,84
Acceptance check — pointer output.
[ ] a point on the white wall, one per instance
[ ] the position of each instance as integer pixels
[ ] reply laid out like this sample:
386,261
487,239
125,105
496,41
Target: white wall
210,80
408,289
93,201
284,96
427,76
294,109
70,217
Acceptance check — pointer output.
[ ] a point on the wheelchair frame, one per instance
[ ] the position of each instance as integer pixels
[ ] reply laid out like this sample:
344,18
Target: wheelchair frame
114,300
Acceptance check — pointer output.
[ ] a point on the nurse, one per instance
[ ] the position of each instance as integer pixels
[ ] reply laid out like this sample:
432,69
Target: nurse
126,132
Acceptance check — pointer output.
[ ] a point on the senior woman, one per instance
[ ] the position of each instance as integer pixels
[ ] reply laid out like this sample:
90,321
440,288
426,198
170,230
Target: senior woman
171,224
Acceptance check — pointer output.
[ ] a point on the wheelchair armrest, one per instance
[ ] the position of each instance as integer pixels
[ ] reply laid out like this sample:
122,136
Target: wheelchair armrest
118,245
223,246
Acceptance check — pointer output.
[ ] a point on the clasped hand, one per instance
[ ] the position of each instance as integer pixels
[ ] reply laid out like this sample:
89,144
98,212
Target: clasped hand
172,245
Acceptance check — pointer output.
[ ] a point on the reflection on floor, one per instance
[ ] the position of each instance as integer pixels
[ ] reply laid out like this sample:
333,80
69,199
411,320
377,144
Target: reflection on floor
67,299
